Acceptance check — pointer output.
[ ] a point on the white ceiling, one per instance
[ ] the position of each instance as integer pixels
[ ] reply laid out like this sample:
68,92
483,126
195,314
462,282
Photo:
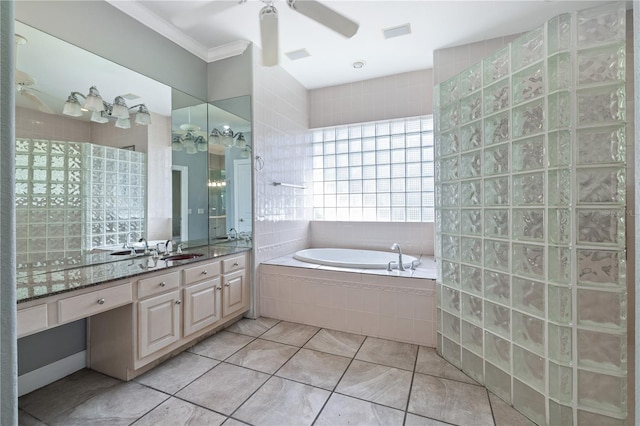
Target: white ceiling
207,28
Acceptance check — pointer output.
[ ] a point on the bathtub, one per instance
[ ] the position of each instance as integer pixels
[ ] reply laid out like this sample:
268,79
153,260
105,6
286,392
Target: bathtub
352,258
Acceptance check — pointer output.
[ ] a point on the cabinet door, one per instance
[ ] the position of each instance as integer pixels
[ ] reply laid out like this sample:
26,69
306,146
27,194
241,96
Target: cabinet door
158,323
202,305
235,293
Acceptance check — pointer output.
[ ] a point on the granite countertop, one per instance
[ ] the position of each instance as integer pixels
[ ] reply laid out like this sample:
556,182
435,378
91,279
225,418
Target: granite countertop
42,279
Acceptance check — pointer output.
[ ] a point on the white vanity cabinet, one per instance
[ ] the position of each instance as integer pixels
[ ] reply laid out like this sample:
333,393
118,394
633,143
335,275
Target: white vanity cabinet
202,299
235,286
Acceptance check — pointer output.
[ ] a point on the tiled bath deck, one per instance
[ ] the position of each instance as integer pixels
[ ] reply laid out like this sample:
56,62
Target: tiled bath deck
269,372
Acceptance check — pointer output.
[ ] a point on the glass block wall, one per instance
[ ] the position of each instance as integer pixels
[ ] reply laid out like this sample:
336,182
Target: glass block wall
530,220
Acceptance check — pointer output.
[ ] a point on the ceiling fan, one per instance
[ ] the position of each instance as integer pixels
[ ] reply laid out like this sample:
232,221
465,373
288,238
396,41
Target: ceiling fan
268,16
25,82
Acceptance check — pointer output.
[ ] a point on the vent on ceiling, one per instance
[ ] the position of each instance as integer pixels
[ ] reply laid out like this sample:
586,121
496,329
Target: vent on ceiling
131,97
397,31
297,54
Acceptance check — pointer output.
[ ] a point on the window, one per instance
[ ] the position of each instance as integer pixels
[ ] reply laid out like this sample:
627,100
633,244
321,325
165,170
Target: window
380,171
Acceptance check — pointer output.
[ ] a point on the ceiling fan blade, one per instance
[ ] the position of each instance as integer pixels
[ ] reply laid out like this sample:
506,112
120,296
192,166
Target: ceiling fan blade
323,15
24,78
269,35
191,18
35,100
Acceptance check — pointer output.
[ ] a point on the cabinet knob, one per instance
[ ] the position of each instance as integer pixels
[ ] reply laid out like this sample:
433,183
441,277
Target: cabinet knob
100,301
205,272
218,288
162,284
227,285
235,264
178,302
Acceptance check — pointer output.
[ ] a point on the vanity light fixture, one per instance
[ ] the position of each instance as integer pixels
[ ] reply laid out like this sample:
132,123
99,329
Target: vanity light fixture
201,144
102,111
214,137
176,144
227,136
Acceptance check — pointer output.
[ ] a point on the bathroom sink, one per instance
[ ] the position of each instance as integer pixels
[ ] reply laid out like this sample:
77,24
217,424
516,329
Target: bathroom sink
183,256
126,252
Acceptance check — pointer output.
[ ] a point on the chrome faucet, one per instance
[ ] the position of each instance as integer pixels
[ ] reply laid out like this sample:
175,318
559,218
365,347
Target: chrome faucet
127,238
168,244
235,234
396,246
146,244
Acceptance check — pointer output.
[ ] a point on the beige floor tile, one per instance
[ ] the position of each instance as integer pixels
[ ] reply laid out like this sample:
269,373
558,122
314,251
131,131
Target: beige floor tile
415,420
263,355
429,362
344,410
221,345
336,342
388,352
50,401
223,388
506,415
450,401
25,419
176,412
315,368
121,404
251,327
376,383
283,402
290,333
178,372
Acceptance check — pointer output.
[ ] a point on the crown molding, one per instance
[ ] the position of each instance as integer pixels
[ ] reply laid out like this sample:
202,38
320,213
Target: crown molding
227,50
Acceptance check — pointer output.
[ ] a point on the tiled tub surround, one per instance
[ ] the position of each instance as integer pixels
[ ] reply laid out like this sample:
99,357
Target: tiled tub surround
393,305
530,220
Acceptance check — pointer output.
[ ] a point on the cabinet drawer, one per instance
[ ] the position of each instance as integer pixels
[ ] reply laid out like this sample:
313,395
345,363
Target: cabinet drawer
95,302
158,284
200,272
233,264
32,319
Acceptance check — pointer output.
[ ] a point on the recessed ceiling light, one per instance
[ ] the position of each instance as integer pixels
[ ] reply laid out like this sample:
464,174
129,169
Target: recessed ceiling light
358,64
297,54
397,31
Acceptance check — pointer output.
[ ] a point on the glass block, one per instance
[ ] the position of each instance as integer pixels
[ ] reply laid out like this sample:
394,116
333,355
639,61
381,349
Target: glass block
528,260
528,83
22,145
450,247
590,418
471,250
528,332
496,66
528,296
450,91
471,136
559,226
527,49
471,164
497,381
601,226
471,222
497,287
450,194
559,193
602,309
472,365
560,72
471,193
560,382
22,160
529,402
472,311
450,299
471,279
496,255
600,105
496,128
451,326
528,119
528,189
471,79
471,108
601,65
560,344
559,108
528,154
450,167
496,191
601,145
528,224
496,160
601,185
451,351
449,116
496,97
449,220
560,304
497,319
559,33
600,391
529,368
497,350
601,350
560,265
451,273
496,223
449,143
603,24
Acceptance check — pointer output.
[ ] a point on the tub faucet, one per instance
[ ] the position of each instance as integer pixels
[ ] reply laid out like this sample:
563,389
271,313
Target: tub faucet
396,246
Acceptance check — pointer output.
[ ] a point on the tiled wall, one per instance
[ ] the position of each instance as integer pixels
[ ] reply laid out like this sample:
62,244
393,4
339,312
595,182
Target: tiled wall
530,228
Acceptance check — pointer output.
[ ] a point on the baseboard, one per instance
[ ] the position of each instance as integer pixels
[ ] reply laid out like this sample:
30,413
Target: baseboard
36,379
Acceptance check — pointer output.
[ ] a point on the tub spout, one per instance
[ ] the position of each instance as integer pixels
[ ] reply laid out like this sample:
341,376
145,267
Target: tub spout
396,246
389,266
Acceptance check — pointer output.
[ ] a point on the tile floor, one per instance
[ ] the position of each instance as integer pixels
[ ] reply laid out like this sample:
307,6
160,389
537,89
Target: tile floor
269,372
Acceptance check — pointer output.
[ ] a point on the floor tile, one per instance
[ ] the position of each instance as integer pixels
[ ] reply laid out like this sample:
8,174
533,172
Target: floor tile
388,352
263,355
450,401
376,383
25,419
429,362
178,372
233,422
336,342
50,401
176,412
290,333
506,415
119,405
315,368
415,420
283,402
344,410
251,327
221,345
223,388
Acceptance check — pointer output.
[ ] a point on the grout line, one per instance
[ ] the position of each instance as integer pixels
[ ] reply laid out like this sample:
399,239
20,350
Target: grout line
413,375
